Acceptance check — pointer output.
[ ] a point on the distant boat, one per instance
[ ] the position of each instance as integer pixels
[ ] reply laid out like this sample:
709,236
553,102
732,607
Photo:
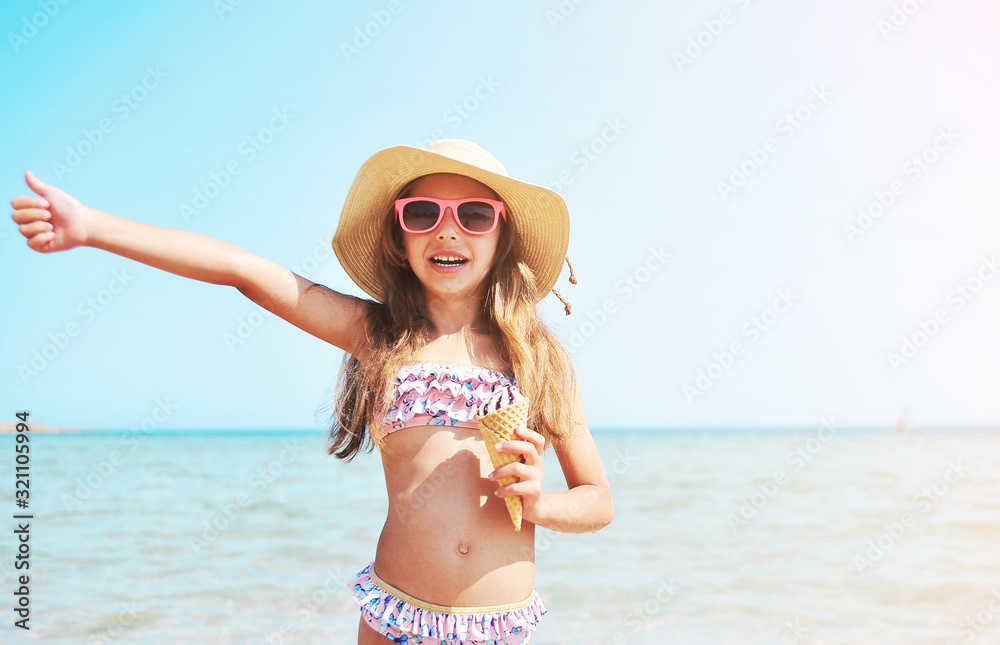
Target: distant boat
901,424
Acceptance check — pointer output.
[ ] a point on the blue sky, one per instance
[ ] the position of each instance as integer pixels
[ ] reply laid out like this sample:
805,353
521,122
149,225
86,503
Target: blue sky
717,160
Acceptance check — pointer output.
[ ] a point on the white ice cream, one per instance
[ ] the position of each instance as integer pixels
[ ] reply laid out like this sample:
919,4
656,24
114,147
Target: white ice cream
501,397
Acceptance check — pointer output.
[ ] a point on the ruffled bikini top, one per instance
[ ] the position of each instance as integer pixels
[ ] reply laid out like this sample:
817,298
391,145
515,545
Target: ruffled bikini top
440,394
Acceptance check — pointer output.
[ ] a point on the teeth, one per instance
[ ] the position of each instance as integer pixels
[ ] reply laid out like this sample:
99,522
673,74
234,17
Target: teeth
447,258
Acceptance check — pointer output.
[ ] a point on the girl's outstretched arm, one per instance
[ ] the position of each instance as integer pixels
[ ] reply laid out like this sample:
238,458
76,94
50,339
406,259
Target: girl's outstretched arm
56,221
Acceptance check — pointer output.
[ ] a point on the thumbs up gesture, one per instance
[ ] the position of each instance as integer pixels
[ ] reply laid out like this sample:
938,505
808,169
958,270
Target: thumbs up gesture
52,221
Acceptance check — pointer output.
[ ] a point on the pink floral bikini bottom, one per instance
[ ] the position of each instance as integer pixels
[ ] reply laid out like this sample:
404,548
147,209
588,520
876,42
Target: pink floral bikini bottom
405,619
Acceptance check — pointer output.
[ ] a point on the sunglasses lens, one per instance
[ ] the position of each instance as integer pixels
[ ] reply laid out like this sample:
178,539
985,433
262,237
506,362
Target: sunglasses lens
420,215
476,216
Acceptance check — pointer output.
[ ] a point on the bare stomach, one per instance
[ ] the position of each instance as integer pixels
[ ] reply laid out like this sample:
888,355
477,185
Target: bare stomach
448,539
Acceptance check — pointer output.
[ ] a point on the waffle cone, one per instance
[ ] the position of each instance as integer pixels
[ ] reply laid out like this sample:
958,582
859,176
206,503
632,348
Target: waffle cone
498,427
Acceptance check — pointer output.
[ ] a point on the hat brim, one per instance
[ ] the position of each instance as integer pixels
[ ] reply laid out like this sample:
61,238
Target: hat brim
540,215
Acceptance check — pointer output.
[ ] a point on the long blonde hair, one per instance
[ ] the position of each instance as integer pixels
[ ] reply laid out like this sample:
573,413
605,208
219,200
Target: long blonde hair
397,328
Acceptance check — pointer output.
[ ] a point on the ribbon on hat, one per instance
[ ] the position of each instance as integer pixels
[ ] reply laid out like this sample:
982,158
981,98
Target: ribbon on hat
572,280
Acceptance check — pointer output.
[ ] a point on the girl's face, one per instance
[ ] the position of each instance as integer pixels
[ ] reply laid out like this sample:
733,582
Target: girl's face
449,241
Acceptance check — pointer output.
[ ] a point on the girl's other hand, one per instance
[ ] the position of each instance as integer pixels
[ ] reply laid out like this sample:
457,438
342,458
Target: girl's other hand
53,221
529,474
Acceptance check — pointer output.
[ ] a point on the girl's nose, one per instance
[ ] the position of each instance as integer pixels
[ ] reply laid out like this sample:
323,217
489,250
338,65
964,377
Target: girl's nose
448,226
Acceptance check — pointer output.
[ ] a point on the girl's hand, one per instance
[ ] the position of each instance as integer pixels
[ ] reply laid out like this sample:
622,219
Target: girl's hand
53,221
529,474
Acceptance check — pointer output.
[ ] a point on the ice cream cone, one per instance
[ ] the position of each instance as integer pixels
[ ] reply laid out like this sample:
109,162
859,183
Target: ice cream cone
497,427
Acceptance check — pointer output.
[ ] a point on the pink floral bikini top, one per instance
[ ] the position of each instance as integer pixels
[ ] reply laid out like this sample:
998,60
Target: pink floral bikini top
440,394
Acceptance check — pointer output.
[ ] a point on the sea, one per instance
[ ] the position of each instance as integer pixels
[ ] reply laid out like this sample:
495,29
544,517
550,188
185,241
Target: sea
814,535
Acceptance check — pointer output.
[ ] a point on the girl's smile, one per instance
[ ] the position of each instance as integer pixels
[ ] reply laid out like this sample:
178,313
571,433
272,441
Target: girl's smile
448,261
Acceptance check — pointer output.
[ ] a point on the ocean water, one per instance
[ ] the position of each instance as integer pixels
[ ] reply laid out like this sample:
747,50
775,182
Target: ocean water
807,536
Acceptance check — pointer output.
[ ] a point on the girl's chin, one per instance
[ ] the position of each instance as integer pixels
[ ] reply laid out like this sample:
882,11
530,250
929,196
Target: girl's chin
447,286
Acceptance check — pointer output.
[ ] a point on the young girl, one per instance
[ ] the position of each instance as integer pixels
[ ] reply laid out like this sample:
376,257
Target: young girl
456,255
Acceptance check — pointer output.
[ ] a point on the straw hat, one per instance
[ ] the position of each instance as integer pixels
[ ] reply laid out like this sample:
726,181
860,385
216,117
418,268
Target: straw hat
540,215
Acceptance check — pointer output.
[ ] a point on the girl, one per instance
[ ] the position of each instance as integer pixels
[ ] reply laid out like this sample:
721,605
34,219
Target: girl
456,255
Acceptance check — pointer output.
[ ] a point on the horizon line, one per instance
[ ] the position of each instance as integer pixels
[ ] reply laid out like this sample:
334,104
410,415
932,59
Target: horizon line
9,427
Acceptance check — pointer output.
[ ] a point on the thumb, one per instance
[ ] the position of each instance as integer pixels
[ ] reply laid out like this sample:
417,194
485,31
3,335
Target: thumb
36,184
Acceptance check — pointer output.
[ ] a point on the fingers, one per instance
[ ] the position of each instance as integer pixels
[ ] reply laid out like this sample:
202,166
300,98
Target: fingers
41,242
531,448
514,469
33,223
34,228
522,489
22,201
28,215
516,447
534,437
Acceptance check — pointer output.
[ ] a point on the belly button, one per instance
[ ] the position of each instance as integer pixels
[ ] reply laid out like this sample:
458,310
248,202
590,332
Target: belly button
463,548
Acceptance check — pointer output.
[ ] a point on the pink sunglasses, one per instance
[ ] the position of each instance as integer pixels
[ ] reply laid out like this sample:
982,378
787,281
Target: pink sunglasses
474,215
